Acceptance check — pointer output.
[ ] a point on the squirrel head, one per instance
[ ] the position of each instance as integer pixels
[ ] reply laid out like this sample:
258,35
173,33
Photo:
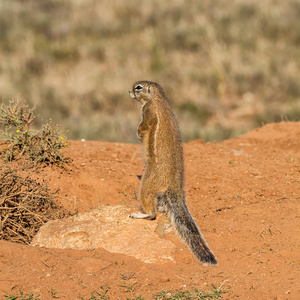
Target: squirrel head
144,91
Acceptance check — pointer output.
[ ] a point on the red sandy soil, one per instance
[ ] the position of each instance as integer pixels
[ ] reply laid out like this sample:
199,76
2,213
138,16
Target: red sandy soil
244,194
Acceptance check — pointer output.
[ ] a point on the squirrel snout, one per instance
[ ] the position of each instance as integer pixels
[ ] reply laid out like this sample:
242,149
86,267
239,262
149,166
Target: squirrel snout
132,95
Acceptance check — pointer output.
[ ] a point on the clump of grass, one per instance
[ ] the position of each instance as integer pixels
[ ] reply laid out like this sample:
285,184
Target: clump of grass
37,145
98,295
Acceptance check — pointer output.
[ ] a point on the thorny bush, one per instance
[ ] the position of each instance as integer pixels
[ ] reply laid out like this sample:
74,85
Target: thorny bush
20,140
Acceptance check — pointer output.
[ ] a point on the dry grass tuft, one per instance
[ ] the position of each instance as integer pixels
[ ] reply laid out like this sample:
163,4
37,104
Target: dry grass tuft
25,205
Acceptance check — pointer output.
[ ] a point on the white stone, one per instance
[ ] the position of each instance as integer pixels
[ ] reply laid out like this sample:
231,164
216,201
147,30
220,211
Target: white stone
110,228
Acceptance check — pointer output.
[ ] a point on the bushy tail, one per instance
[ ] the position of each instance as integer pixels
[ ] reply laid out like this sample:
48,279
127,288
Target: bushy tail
188,231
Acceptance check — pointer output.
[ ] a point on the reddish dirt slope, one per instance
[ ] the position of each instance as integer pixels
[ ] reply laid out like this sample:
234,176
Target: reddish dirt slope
244,194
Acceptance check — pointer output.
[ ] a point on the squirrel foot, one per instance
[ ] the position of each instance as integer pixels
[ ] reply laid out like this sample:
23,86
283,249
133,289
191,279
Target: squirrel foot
139,215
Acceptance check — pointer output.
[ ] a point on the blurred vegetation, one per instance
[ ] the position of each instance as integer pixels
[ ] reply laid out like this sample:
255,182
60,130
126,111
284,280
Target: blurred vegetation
225,68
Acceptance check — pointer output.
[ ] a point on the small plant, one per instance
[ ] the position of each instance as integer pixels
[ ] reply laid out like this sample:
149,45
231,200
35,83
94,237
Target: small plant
127,277
130,196
139,297
53,294
37,145
130,288
98,295
101,295
216,293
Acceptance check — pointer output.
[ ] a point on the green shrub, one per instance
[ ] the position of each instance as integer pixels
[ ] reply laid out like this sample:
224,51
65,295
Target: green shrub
20,140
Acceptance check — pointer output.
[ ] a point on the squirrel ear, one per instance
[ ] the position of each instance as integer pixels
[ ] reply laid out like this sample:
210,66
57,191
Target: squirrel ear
150,90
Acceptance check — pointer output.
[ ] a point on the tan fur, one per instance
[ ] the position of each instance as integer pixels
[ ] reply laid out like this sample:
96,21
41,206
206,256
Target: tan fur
161,187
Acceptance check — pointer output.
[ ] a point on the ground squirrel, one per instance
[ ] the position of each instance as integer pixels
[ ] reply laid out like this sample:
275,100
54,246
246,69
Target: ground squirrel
161,188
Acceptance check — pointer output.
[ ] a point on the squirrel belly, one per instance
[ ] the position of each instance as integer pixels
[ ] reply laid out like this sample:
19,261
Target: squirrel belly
161,187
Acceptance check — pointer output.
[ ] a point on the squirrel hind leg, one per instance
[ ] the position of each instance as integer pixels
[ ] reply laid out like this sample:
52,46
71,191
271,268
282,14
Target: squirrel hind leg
161,203
139,215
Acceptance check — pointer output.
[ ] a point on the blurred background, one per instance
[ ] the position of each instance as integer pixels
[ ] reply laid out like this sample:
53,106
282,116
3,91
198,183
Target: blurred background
226,66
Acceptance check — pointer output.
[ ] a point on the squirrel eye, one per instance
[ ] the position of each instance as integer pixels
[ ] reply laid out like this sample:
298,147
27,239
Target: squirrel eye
138,87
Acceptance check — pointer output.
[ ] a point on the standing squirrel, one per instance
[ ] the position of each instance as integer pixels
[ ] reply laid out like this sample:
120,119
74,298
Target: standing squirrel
161,188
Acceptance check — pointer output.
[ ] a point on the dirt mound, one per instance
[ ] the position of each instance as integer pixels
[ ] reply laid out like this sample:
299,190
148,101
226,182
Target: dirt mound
243,193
